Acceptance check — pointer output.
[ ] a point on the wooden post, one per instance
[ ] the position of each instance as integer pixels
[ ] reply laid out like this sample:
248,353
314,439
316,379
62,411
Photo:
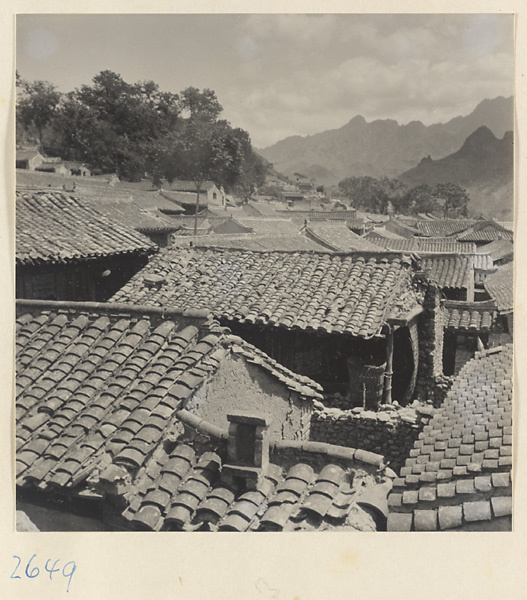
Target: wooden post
197,210
388,373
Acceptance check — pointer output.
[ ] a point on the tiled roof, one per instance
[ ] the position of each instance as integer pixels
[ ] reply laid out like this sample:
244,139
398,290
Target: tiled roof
265,208
51,164
128,212
188,198
326,292
184,490
266,226
26,154
55,227
427,245
486,231
145,185
498,249
373,217
499,286
381,232
95,378
449,271
294,242
357,223
187,186
100,396
483,262
336,235
459,472
470,316
443,227
319,215
203,219
186,231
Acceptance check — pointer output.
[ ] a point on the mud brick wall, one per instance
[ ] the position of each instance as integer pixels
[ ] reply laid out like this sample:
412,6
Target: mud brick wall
390,432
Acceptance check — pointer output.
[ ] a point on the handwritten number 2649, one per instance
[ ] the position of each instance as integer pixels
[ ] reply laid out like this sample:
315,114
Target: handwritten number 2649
33,571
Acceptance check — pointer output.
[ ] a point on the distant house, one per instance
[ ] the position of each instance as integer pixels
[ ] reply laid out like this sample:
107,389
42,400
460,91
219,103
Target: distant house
336,235
445,245
209,191
187,201
67,250
28,159
293,197
53,166
443,227
484,232
77,169
400,228
383,233
305,186
140,215
230,226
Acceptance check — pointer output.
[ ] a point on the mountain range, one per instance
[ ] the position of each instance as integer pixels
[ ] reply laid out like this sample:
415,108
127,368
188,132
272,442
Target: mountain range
484,166
383,147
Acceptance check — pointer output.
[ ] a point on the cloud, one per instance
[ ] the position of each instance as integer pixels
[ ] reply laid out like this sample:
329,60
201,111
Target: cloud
413,89
333,67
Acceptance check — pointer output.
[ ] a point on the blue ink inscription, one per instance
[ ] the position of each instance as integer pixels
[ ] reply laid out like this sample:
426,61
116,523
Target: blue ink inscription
33,571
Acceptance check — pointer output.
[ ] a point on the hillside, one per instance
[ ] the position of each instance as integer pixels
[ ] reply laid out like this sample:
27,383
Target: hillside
383,147
484,165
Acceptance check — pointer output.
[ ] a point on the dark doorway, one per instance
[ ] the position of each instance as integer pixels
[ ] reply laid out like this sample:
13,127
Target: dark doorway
449,352
403,365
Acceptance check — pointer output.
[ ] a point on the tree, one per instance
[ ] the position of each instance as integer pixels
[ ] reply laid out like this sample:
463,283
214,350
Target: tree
200,105
37,106
421,199
201,150
455,199
253,169
374,195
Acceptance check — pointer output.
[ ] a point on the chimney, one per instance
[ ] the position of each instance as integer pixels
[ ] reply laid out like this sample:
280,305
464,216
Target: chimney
248,450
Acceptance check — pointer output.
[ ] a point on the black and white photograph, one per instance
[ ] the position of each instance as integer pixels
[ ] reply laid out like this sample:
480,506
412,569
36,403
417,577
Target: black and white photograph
264,273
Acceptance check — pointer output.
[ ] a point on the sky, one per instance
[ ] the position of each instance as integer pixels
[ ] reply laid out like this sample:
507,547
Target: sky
282,75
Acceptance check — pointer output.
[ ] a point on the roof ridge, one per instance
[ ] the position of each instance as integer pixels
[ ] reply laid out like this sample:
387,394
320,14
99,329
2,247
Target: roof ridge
330,450
118,308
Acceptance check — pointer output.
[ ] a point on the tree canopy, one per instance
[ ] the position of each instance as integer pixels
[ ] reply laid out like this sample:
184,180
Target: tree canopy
36,105
138,130
382,195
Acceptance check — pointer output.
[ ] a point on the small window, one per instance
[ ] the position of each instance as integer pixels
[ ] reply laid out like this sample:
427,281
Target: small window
246,435
214,195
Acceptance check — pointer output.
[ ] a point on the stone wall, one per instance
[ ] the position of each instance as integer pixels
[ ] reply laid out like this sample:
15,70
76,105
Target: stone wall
432,385
390,432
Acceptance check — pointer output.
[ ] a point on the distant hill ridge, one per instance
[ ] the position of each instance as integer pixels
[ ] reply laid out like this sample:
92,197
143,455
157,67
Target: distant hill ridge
383,147
484,165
